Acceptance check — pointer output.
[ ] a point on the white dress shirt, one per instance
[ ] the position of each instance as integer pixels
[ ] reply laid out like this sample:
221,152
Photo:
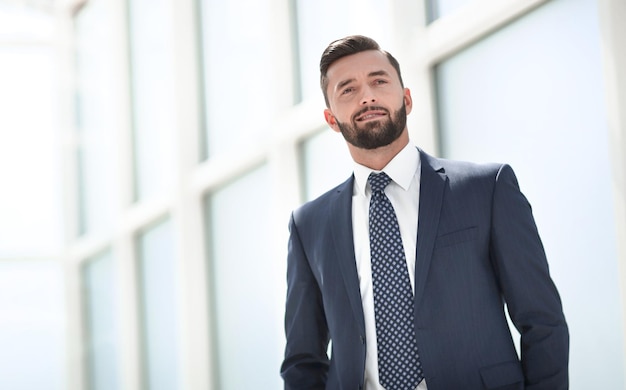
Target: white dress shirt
403,193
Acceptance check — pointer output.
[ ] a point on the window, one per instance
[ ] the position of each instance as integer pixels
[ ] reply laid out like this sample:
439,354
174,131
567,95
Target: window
321,22
541,108
440,8
33,333
238,84
100,288
160,316
32,324
30,163
95,121
326,163
152,74
248,298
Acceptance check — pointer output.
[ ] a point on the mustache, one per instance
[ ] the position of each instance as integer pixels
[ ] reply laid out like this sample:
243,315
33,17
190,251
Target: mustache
369,108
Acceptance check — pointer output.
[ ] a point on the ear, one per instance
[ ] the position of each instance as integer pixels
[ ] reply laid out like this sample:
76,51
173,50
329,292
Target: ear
408,100
331,120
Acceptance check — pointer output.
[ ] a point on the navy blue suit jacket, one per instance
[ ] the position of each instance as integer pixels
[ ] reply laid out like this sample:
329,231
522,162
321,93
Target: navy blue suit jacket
477,249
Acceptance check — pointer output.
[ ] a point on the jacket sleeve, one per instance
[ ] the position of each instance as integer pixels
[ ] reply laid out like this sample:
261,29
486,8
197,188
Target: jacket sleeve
533,301
306,362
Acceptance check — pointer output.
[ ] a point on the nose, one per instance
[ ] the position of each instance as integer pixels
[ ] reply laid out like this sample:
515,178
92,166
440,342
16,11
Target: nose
368,101
368,96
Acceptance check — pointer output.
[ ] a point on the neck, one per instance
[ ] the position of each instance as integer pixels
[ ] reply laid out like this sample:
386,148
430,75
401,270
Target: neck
378,158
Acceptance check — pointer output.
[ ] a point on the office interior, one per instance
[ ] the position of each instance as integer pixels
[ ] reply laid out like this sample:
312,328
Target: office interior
153,150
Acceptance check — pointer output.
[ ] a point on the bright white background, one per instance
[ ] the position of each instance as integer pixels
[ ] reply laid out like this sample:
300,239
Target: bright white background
548,104
32,313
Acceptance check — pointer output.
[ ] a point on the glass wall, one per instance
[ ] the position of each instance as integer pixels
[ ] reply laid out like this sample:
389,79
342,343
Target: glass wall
152,83
102,323
236,50
30,161
321,22
158,282
441,8
32,324
95,119
531,95
247,302
326,163
190,292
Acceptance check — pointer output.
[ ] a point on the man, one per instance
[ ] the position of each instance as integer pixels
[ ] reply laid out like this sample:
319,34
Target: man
407,265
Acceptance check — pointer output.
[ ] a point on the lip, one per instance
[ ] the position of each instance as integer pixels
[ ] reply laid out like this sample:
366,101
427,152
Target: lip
370,115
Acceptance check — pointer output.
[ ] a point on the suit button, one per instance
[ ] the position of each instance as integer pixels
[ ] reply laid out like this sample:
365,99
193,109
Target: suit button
362,339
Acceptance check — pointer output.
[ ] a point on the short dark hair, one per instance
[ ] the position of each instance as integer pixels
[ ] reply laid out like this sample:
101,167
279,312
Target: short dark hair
347,46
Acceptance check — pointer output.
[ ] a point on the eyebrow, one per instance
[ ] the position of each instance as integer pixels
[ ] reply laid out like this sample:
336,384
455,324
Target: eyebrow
343,83
378,73
371,74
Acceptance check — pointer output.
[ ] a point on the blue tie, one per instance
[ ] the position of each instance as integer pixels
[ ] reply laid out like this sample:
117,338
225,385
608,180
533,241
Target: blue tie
399,367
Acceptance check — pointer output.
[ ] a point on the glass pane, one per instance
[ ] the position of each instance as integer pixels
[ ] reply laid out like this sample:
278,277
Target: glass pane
32,325
159,309
326,162
21,23
95,102
31,206
441,8
237,47
152,73
248,298
323,21
531,95
101,323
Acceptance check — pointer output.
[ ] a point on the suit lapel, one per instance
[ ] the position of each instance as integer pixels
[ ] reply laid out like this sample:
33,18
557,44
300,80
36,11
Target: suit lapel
340,215
432,184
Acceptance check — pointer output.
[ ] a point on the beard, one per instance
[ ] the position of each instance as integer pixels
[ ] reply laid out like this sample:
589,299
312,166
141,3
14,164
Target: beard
377,133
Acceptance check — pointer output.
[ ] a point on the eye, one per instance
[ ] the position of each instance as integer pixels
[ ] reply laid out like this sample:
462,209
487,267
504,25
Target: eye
347,90
380,81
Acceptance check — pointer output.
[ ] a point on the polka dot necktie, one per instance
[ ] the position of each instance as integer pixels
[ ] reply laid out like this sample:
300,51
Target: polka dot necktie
399,367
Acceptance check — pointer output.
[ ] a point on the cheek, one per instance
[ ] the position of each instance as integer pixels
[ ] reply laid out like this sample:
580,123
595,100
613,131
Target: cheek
342,113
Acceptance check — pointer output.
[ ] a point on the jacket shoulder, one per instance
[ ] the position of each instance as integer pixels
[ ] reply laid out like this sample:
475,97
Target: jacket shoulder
319,205
464,170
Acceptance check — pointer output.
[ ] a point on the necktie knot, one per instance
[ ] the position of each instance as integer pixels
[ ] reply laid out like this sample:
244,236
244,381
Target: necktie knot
378,181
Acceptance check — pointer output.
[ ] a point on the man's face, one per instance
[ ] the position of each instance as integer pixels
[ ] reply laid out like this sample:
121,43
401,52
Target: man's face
367,102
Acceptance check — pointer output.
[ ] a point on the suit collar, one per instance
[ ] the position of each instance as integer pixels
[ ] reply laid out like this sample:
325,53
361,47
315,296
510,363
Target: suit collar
432,185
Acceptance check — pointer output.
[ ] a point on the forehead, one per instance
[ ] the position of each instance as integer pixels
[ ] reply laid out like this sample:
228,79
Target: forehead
358,65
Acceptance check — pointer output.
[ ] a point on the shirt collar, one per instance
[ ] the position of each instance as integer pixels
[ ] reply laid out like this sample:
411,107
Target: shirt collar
400,169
